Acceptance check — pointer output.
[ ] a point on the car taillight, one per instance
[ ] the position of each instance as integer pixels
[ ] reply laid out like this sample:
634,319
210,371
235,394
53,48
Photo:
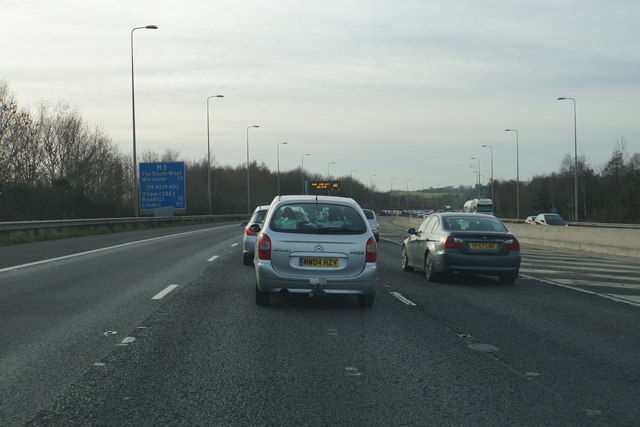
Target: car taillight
452,242
249,231
513,244
371,250
264,247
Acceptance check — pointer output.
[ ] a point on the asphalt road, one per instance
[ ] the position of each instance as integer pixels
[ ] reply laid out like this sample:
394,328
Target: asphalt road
83,342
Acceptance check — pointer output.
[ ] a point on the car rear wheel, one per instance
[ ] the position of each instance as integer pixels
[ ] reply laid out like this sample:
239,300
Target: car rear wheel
366,300
262,298
508,278
247,259
405,260
431,275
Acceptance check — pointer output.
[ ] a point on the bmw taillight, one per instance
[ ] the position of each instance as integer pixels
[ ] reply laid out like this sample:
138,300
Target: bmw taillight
512,245
249,231
371,250
452,242
264,247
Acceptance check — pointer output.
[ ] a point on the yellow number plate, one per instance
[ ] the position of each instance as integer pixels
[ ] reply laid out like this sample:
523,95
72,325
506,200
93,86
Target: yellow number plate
318,262
483,246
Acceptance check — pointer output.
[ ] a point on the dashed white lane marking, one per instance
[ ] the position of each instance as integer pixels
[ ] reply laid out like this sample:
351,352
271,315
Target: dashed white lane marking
165,292
235,244
403,299
350,371
213,258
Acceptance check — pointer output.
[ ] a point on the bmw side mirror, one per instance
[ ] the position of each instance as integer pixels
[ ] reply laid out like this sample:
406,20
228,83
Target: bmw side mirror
255,228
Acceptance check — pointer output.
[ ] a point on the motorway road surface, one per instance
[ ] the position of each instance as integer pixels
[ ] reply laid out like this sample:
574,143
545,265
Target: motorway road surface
159,327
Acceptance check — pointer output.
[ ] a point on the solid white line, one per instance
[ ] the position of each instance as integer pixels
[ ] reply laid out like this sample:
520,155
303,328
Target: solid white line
403,299
165,292
574,261
45,261
568,268
584,291
597,284
633,299
213,258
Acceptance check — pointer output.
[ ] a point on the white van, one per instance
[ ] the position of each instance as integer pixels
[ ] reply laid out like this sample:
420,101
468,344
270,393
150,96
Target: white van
483,206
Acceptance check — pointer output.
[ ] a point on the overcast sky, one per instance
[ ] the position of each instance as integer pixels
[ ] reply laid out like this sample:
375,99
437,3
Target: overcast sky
409,89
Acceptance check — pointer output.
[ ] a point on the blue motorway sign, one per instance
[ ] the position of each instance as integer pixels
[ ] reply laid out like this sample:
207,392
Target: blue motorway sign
162,185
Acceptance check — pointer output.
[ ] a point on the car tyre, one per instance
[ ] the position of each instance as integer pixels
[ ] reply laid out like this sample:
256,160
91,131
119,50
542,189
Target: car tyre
405,260
247,259
508,278
430,274
262,298
366,300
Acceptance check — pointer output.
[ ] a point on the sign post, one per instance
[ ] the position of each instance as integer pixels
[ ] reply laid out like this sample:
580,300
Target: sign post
162,188
320,187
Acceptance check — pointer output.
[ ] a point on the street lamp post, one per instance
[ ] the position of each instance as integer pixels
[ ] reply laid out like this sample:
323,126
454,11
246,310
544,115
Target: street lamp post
248,180
209,154
278,154
302,169
329,175
351,178
491,148
133,114
408,181
517,172
575,156
478,180
391,192
329,168
372,190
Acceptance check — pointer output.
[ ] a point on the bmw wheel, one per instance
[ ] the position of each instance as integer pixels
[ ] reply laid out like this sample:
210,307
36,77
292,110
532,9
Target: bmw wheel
431,275
405,260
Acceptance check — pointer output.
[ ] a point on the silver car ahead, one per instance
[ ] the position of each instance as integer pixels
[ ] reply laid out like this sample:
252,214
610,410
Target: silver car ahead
373,222
462,242
249,237
315,245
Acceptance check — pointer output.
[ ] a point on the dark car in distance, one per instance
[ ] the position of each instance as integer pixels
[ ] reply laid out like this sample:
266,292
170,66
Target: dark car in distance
454,242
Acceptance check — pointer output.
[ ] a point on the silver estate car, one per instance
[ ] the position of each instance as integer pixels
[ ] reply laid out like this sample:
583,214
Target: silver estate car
462,242
249,237
315,245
